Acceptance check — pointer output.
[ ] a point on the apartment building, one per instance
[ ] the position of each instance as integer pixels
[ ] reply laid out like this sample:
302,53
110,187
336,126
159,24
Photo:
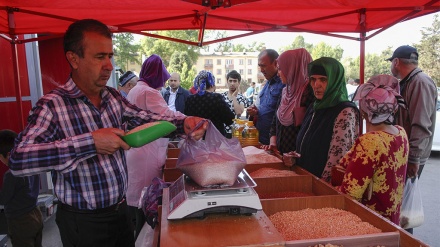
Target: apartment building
220,63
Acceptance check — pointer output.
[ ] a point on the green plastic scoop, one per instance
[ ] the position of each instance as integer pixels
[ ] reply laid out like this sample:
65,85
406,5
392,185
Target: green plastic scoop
147,133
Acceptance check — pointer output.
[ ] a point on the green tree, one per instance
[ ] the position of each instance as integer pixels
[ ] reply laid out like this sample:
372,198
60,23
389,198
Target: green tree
324,50
375,64
165,48
299,42
429,50
181,63
126,50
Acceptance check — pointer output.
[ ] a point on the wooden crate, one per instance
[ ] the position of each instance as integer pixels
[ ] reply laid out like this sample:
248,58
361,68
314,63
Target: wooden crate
301,183
391,236
217,230
173,152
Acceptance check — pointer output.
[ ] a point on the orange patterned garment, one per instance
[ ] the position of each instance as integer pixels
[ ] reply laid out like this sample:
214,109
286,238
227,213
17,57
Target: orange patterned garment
380,158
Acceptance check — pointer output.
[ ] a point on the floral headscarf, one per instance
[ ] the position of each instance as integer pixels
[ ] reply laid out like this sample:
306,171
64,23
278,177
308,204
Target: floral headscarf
153,72
336,91
293,64
202,79
379,98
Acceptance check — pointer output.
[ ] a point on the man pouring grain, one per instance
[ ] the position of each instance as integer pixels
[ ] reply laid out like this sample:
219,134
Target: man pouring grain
74,132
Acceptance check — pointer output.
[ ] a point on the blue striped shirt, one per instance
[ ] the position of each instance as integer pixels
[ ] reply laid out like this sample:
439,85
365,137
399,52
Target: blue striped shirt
58,138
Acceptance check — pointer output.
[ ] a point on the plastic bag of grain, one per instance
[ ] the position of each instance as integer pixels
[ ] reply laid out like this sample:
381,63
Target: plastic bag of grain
411,212
214,160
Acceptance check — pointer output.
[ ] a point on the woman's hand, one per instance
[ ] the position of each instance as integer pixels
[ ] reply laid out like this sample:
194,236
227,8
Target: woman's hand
289,159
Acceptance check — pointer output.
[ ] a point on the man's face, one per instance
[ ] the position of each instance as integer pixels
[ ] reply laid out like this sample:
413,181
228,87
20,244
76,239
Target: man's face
174,81
319,84
393,67
268,69
93,70
233,84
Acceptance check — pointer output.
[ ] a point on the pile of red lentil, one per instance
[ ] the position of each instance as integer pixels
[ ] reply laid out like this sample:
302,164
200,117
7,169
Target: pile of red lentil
283,194
320,223
271,172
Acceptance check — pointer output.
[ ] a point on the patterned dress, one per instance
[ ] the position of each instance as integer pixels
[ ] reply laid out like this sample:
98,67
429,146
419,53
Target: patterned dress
380,158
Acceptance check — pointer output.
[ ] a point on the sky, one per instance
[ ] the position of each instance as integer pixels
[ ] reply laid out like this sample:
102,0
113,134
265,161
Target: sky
405,33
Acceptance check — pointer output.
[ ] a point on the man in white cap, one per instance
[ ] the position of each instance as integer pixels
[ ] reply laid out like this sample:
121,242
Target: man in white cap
126,82
420,93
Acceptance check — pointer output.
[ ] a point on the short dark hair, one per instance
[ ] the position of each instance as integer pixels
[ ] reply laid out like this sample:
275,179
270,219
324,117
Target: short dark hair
74,36
7,138
234,75
271,53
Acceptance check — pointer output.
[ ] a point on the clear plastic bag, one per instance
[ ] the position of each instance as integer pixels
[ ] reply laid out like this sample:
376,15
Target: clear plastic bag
411,211
215,160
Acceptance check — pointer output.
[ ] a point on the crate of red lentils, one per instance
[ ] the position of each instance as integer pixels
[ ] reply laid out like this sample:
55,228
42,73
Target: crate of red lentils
333,220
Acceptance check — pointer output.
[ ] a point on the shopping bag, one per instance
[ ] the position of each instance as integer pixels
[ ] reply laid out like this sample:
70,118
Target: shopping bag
411,211
151,198
214,160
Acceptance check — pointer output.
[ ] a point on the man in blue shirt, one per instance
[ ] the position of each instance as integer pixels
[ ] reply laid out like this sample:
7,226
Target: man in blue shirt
269,95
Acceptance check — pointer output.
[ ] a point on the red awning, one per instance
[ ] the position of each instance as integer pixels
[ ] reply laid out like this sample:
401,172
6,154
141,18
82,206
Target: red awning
255,16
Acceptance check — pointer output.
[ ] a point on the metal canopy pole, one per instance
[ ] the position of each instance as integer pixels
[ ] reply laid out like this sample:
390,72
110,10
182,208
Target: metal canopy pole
15,66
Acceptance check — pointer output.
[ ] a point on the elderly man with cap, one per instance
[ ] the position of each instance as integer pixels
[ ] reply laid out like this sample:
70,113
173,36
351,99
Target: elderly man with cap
126,82
420,93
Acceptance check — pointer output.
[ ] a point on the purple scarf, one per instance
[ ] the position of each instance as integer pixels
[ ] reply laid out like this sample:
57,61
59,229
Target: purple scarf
153,72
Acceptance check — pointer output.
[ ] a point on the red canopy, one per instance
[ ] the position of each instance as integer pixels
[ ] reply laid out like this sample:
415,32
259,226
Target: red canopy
256,16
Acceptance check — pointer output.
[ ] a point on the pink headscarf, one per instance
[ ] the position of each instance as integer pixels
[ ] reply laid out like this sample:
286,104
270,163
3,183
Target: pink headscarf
153,72
379,98
293,64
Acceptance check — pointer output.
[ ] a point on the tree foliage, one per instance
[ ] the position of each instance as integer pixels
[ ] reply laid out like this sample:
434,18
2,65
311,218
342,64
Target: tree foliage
319,50
429,50
375,64
126,50
165,48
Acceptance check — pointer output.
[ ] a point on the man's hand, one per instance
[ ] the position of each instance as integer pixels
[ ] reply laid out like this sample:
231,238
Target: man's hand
252,110
108,140
411,170
191,122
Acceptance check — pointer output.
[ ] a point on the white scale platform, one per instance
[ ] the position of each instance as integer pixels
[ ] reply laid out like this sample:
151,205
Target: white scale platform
189,200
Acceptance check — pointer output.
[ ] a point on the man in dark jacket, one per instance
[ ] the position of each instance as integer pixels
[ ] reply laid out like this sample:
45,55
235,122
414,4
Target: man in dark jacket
175,95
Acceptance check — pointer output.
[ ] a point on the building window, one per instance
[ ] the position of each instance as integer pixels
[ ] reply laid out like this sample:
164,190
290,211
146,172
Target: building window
241,71
208,61
219,71
229,61
249,71
241,61
249,61
227,71
219,62
219,81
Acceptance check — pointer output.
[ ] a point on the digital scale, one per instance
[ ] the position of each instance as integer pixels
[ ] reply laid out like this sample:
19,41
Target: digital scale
189,200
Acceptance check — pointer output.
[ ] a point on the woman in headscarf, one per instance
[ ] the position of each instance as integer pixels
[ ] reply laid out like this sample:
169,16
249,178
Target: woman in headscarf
331,124
208,104
296,96
145,163
376,164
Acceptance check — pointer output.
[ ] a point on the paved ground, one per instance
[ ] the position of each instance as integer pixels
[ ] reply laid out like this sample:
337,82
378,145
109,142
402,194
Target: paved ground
429,232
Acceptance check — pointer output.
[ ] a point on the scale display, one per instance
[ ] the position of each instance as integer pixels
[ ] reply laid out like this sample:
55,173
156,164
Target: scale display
189,200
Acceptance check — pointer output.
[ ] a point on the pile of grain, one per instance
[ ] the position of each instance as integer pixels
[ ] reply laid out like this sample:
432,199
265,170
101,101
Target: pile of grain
271,172
285,194
320,223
